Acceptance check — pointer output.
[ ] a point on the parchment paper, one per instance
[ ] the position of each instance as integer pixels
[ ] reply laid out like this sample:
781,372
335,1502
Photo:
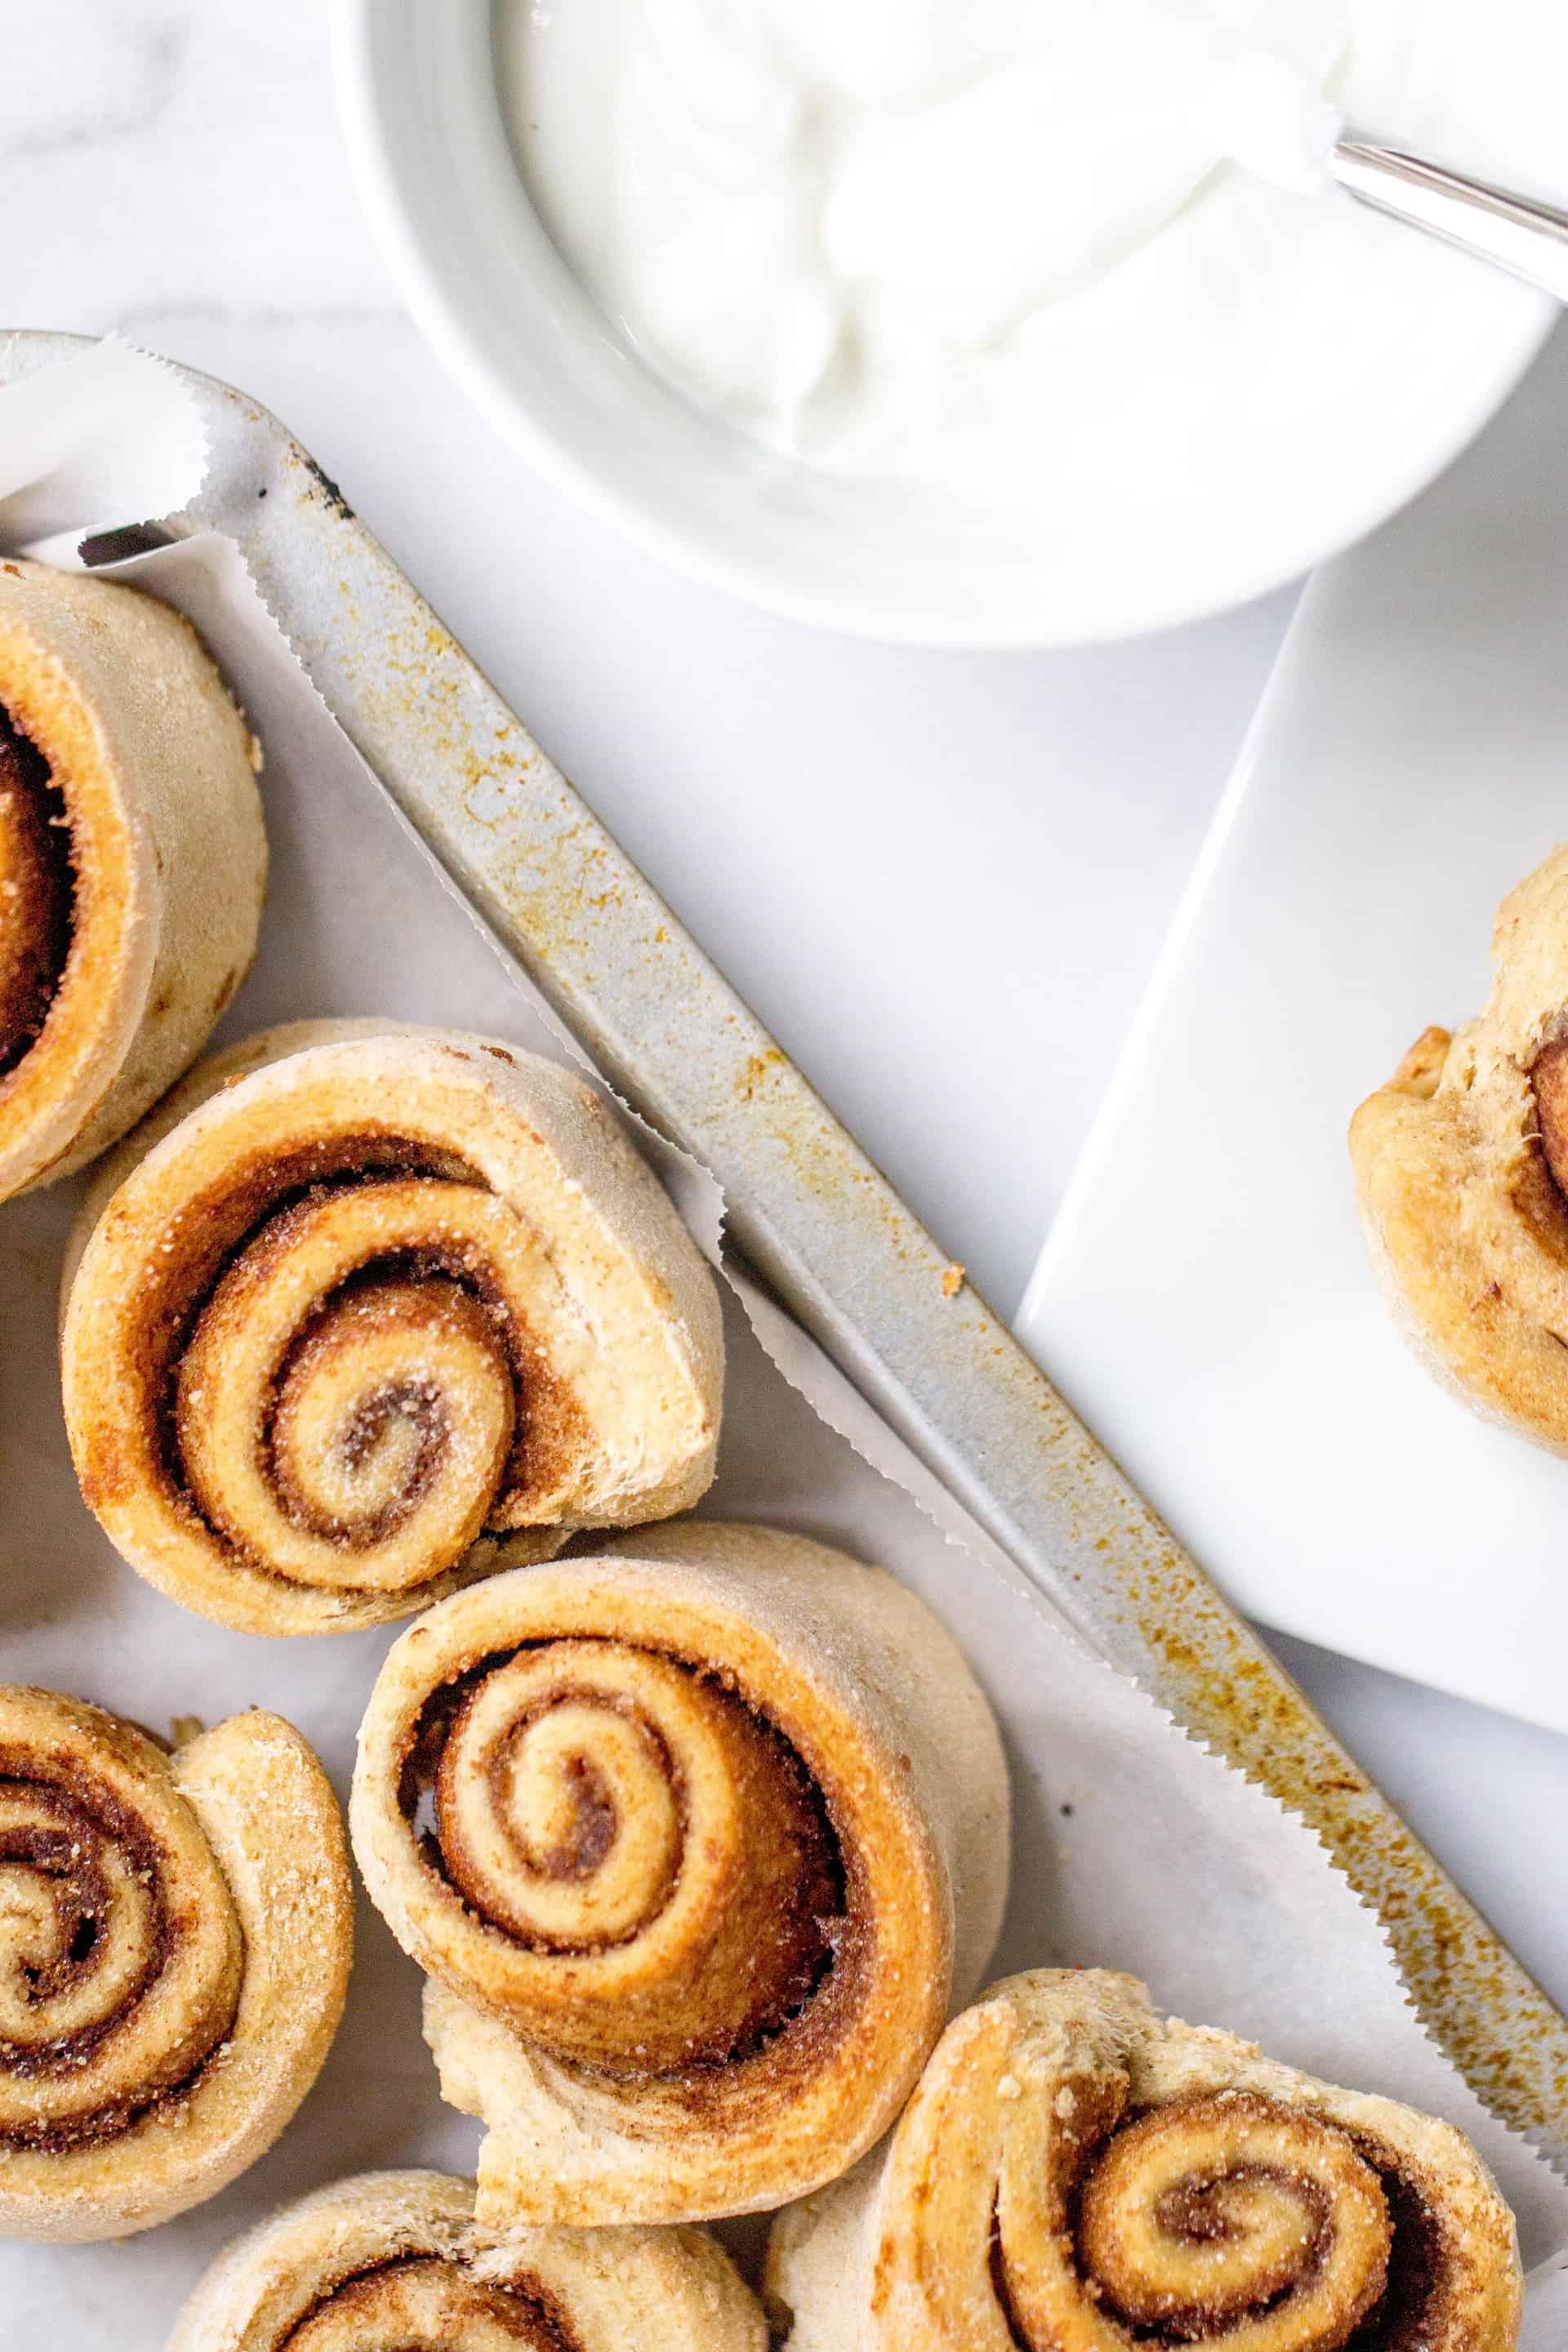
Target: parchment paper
1133,1847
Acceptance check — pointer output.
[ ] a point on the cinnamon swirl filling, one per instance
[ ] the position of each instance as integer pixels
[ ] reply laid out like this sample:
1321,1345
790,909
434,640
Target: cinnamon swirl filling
428,2305
1235,2221
692,1838
1548,1087
356,1399
1461,1169
589,1796
175,1933
36,885
133,862
120,1954
1076,2173
395,2262
356,1323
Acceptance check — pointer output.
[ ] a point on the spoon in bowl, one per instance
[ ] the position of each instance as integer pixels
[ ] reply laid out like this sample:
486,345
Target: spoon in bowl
1514,233
1275,121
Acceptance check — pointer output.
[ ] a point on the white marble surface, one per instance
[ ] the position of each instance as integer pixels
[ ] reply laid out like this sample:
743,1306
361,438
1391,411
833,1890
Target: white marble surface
941,878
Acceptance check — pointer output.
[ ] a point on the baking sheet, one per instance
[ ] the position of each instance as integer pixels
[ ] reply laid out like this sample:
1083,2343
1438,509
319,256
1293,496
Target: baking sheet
851,1262
1211,1312
1134,1847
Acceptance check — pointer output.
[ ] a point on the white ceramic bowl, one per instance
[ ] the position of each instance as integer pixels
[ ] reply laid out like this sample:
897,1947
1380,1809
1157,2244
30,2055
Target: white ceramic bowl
496,300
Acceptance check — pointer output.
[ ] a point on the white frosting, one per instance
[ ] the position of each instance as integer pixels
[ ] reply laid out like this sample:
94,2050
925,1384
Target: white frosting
909,239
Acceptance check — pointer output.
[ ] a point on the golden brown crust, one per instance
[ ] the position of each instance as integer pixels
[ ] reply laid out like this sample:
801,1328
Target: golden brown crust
1461,1162
175,1933
1076,2173
391,2259
364,1312
697,1838
133,862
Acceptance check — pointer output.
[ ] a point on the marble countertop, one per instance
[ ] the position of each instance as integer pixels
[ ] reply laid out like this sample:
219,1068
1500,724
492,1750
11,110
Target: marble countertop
941,878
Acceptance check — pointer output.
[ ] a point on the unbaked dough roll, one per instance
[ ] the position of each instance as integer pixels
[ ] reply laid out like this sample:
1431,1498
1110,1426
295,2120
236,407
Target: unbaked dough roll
699,1839
132,862
175,1932
364,1312
1076,2173
1461,1165
394,2259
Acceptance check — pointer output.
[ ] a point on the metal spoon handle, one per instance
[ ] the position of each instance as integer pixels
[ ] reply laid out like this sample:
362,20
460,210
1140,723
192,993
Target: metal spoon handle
1529,240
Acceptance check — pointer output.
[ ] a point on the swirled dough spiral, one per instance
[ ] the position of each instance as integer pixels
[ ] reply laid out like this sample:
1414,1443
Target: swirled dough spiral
696,1839
1461,1166
174,1943
35,895
364,1313
132,862
1077,2174
393,2261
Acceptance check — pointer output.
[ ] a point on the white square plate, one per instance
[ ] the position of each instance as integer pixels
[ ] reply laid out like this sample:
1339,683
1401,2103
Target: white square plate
1204,1298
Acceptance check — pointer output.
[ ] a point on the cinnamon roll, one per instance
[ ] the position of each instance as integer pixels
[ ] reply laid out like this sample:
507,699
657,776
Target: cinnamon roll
392,2260
362,1313
698,1840
1076,2173
132,862
174,1942
1461,1166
